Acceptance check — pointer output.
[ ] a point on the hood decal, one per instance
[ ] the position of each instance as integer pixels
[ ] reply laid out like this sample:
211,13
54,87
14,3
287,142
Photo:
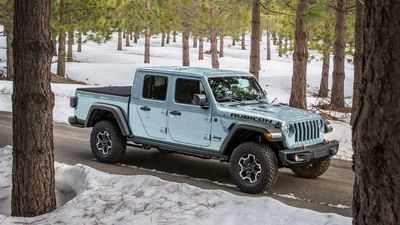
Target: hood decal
252,118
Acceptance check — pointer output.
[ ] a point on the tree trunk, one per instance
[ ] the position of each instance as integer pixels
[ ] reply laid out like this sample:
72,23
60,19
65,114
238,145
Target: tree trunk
213,37
255,40
168,37
174,36
195,41
123,35
61,42
376,198
323,87
127,40
33,101
268,45
54,39
185,44
80,42
285,46
130,36
243,41
358,55
339,51
221,46
201,48
274,38
147,36
233,42
298,94
280,50
136,37
70,57
10,54
162,39
119,47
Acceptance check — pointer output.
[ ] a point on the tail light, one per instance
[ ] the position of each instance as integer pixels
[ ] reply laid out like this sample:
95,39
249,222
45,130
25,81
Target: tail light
73,101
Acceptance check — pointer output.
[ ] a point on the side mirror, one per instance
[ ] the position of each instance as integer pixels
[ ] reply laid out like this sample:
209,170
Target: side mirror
200,100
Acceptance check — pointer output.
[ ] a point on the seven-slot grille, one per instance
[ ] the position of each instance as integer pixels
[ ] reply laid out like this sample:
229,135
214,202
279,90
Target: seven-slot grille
306,130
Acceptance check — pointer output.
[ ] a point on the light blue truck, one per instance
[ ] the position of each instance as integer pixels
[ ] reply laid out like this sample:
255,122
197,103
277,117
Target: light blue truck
219,114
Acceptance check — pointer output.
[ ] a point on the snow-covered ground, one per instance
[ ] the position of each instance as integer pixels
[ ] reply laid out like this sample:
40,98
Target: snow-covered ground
102,64
101,198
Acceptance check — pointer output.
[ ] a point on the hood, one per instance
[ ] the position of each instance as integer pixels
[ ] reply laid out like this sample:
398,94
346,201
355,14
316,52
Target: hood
268,111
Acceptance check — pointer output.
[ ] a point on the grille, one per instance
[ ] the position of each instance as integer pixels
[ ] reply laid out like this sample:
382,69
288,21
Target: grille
306,130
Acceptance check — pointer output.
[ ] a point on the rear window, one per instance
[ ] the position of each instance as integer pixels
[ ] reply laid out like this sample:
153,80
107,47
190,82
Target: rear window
155,87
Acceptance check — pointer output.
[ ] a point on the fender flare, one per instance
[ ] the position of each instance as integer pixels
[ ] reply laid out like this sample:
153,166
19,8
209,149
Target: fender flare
115,110
277,135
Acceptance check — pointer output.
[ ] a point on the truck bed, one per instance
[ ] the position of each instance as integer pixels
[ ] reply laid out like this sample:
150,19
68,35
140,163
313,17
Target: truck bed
123,91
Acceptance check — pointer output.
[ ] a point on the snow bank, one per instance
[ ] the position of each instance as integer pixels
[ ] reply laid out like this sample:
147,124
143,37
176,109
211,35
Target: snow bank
62,93
103,198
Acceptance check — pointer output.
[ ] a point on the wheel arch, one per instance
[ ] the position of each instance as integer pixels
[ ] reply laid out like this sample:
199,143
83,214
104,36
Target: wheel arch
240,133
100,111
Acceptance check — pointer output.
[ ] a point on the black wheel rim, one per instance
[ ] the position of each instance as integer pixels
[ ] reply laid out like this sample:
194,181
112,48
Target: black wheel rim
249,168
103,142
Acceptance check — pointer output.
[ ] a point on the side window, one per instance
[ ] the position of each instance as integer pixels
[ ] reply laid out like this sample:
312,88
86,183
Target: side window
155,87
185,90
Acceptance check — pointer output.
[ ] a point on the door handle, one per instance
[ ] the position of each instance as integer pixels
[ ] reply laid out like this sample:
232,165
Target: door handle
175,113
145,108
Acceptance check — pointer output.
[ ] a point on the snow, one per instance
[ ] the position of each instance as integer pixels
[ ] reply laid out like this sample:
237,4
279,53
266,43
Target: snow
102,198
102,64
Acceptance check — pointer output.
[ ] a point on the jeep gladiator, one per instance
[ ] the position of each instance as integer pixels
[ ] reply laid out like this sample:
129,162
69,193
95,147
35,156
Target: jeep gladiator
209,113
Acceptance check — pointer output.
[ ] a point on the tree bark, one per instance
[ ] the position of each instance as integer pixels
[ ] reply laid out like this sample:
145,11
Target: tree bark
80,41
162,39
268,45
174,36
147,36
213,37
185,44
358,56
168,37
376,198
201,48
274,39
255,40
70,57
339,51
136,36
127,40
280,50
323,87
298,94
221,46
10,54
195,41
61,41
243,41
33,101
119,47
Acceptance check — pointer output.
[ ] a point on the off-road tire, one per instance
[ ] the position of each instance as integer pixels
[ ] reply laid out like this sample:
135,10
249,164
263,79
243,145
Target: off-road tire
118,146
269,167
313,171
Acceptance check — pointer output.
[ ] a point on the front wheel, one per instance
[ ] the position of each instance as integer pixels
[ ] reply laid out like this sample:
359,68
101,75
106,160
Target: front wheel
253,167
107,142
313,170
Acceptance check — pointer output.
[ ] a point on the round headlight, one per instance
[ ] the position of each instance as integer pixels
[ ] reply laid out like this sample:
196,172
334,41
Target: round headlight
285,129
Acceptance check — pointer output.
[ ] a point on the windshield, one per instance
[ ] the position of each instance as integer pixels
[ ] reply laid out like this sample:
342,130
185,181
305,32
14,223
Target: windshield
236,88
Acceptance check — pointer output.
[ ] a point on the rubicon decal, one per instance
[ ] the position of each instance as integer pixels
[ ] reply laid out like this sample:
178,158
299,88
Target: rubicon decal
253,118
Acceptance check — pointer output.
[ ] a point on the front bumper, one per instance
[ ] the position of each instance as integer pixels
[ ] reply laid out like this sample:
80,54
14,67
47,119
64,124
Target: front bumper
308,154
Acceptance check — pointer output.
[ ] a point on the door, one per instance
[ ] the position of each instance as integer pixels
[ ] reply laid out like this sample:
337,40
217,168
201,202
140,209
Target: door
189,123
152,106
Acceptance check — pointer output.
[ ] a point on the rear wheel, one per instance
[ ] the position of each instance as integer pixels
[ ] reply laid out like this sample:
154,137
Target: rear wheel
313,170
253,167
107,142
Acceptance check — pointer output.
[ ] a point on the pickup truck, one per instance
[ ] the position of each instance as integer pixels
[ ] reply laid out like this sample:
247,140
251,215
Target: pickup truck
209,113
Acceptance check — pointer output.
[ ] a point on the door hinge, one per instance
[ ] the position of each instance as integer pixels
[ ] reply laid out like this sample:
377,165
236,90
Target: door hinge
163,130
